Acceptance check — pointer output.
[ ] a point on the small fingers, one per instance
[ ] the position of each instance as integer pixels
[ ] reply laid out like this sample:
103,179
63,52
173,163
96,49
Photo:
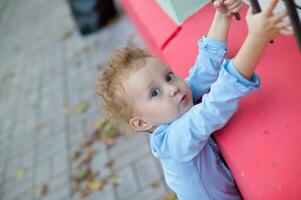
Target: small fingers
217,4
284,27
250,11
286,31
228,2
270,7
283,24
236,4
278,16
233,6
235,10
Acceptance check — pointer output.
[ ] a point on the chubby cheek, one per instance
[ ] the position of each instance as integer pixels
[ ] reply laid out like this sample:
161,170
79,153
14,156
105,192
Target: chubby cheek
169,113
190,98
189,92
162,113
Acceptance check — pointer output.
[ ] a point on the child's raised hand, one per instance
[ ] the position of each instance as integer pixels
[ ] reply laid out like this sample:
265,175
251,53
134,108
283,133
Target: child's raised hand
266,25
228,7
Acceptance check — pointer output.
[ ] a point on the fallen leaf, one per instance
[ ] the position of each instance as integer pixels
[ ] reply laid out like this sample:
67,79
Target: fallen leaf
110,164
113,179
95,185
44,190
93,175
100,66
107,132
109,129
75,186
75,155
155,184
20,174
65,34
80,174
84,180
82,107
87,142
170,196
40,126
83,50
99,123
88,157
84,193
108,140
34,189
7,143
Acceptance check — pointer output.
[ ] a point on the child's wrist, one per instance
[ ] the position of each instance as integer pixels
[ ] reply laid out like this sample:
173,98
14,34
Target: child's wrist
257,39
222,16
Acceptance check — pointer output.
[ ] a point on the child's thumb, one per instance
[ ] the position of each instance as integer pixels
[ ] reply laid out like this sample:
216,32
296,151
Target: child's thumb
250,11
217,4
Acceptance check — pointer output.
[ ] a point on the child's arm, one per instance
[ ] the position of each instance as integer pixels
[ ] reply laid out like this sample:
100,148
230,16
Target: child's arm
263,27
218,106
222,20
212,49
220,27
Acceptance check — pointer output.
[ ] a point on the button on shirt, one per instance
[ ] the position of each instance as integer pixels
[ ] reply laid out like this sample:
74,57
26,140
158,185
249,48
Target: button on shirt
188,155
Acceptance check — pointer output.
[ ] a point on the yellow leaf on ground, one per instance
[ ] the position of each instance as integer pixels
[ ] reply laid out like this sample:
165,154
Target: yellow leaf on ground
82,107
170,196
20,174
95,185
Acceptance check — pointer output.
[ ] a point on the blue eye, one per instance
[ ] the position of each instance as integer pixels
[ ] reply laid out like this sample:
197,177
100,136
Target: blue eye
155,92
170,76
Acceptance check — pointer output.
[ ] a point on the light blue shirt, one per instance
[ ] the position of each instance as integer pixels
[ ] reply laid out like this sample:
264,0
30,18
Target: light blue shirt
189,157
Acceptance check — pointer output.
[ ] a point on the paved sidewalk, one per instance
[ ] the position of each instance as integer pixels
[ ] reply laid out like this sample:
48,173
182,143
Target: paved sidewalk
46,70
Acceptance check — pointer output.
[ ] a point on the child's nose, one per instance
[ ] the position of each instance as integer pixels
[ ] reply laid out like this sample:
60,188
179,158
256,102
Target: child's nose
174,89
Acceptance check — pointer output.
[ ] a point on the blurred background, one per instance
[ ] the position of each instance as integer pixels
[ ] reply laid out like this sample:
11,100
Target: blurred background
53,142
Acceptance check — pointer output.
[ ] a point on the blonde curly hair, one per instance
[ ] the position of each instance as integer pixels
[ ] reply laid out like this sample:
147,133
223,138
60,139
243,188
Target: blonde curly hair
120,64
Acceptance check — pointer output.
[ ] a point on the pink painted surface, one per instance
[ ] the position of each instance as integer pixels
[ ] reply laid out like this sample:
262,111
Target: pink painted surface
262,142
155,26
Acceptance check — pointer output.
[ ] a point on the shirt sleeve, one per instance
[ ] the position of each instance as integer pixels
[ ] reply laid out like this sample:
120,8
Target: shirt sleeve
207,66
186,136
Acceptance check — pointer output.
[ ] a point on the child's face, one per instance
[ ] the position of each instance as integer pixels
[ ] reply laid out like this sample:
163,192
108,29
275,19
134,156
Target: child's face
156,94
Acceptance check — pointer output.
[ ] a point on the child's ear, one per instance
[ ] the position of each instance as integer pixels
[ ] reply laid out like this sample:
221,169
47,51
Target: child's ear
139,124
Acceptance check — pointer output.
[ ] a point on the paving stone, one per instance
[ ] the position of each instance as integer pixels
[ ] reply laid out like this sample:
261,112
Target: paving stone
57,188
105,194
15,189
98,163
2,160
149,193
89,118
45,156
43,171
25,160
26,195
49,76
128,151
147,171
50,150
125,144
11,183
11,167
75,126
59,163
7,124
127,183
59,193
30,124
19,147
51,106
57,123
61,179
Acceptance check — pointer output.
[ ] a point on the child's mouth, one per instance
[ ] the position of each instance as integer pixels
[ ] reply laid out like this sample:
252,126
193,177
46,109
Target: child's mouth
183,98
